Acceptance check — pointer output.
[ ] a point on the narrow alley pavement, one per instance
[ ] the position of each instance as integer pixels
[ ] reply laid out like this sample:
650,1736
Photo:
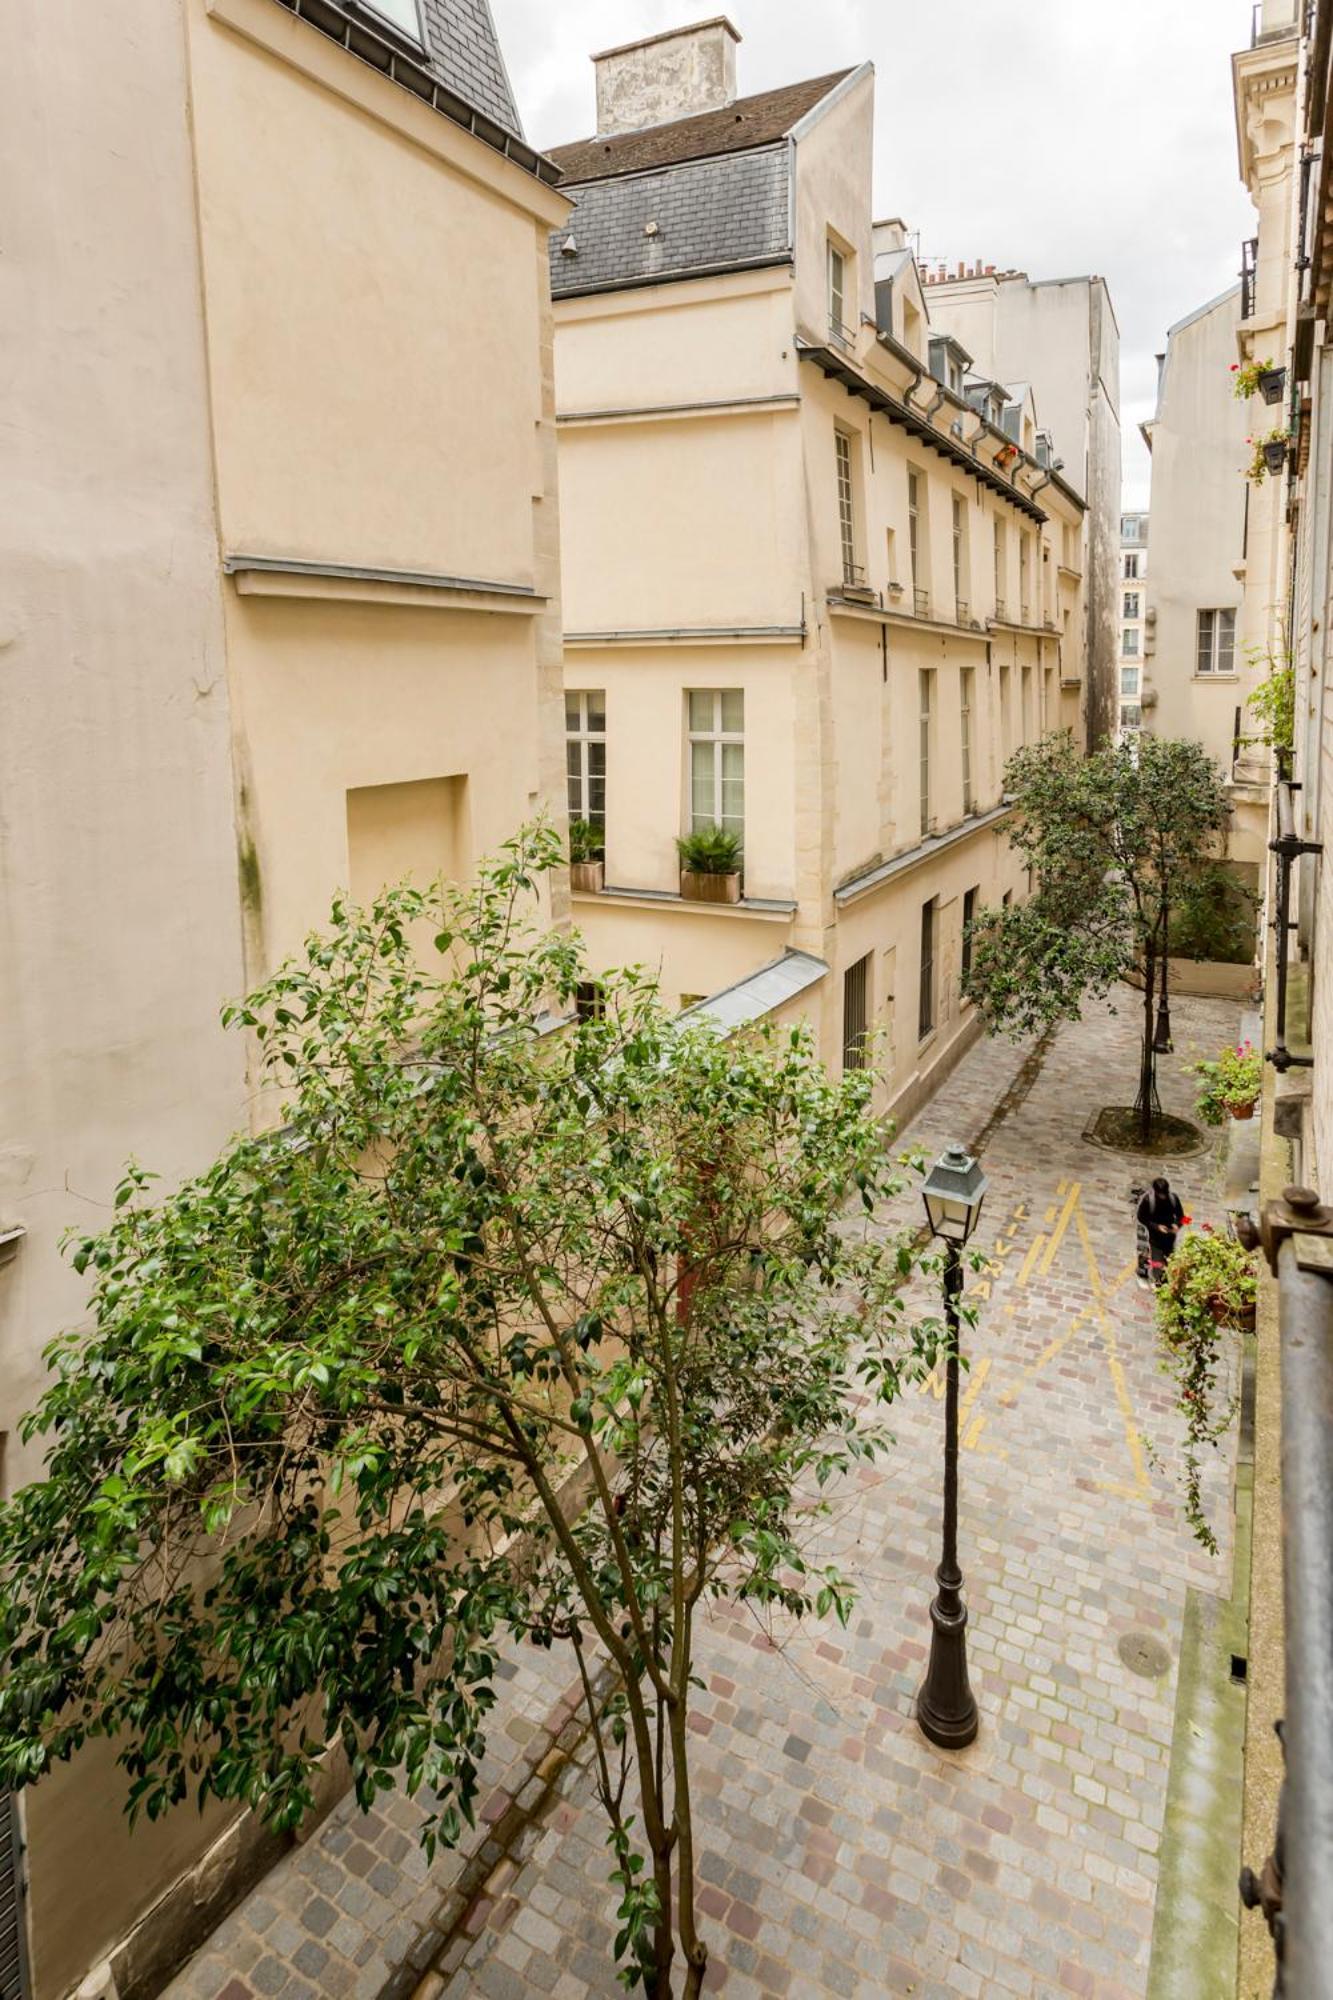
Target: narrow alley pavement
842,1853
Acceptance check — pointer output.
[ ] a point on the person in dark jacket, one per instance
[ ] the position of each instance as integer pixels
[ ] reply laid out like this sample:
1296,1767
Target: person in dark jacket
1161,1215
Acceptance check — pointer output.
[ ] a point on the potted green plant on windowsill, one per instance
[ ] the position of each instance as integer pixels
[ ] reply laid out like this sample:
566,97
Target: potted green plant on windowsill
1230,1085
710,865
1210,1289
586,856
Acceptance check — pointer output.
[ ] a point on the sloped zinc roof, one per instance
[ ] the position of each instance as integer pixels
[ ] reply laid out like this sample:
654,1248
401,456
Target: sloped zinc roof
737,128
762,993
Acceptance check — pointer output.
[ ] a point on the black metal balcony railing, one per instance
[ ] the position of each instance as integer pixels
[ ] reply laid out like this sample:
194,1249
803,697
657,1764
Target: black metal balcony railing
1249,271
921,603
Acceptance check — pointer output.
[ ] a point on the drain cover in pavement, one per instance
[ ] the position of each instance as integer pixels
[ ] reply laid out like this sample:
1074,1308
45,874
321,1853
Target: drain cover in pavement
1143,1654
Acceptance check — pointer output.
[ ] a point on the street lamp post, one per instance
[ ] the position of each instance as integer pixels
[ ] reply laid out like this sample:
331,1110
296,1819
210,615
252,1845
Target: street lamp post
946,1710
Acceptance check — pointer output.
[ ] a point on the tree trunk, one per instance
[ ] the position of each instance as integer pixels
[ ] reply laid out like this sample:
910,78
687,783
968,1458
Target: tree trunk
1147,1066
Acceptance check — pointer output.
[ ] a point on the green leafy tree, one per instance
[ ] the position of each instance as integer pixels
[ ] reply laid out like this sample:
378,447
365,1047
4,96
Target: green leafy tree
317,1455
1115,841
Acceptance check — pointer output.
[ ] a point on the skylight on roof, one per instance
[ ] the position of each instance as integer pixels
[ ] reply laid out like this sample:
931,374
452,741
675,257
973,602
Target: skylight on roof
400,14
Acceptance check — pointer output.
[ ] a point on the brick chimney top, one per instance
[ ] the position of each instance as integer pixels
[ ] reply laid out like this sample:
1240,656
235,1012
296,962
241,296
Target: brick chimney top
666,76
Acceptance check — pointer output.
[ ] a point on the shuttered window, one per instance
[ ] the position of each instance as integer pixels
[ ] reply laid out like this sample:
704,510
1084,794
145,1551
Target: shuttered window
855,1013
13,1947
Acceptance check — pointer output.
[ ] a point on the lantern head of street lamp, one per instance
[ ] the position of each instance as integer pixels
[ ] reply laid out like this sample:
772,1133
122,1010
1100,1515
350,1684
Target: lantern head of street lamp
954,1191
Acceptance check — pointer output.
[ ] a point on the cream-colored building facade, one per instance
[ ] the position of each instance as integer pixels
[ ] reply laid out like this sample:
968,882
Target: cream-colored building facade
1134,627
814,590
1205,512
280,616
1060,337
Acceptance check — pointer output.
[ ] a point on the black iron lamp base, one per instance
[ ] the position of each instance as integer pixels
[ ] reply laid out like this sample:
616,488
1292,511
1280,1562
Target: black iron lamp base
945,1710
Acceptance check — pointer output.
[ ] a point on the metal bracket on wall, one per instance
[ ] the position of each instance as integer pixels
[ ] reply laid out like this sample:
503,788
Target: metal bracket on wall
1300,1215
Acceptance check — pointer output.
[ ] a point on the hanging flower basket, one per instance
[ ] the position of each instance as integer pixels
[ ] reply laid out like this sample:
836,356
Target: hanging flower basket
1275,454
1268,454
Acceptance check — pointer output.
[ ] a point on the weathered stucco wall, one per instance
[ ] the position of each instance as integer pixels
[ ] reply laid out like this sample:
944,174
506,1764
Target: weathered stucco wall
119,933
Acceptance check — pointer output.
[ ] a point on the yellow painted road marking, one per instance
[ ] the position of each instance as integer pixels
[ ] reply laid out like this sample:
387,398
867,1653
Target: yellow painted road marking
1025,1268
1058,1238
1117,1373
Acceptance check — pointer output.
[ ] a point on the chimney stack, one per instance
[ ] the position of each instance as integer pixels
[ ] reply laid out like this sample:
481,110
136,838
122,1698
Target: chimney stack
672,75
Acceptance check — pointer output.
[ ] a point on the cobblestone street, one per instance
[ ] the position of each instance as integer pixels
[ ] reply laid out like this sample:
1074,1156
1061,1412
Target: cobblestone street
841,1853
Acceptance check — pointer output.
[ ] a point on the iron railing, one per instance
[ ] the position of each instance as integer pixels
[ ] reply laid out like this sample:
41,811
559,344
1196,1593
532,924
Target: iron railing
921,603
962,610
1287,846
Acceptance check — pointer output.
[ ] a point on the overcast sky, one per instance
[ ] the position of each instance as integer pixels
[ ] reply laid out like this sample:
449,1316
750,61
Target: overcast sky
1057,136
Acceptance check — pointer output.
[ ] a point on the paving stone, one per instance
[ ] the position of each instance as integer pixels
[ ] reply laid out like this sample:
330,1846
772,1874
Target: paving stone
839,1853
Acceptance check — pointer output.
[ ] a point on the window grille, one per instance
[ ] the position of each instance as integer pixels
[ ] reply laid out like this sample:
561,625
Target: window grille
856,1013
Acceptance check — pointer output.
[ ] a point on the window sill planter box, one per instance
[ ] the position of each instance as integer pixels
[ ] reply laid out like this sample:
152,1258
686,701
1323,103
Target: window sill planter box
699,888
1272,382
1275,455
586,877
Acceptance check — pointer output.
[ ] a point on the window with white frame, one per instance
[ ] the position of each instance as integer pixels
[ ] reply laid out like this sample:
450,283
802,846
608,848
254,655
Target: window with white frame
1001,564
1130,715
842,446
959,557
925,694
837,292
967,690
1131,607
585,755
916,541
1024,576
1129,680
1216,652
1129,642
717,759
1026,699
1131,566
400,14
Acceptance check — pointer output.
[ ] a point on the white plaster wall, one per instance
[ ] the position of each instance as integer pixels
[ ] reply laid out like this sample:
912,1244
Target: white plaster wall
1197,511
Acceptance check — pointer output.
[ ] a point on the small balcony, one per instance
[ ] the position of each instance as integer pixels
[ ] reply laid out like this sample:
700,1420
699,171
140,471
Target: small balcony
962,611
921,603
856,584
1001,612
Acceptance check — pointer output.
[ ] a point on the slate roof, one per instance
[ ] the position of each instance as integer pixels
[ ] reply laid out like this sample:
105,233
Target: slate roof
726,213
465,54
737,128
460,71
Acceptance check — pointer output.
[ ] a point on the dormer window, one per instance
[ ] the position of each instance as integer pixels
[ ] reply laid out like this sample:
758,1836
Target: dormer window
400,14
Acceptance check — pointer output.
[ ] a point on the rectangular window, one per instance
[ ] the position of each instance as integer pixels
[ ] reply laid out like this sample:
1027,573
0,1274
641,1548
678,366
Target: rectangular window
837,291
1006,720
717,760
590,1000
856,1012
1026,719
967,686
1024,579
1129,715
842,445
1129,642
1131,609
1001,559
400,14
959,577
969,918
920,596
1006,899
1217,643
1131,566
1047,700
1129,680
925,690
585,755
926,1003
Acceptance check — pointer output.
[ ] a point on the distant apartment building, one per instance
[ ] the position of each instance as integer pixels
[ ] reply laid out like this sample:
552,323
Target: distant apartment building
281,618
821,577
1133,621
1059,338
1195,669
